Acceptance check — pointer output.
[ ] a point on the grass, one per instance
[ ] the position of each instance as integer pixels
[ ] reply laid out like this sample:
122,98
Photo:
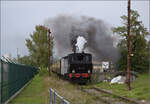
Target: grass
33,93
140,88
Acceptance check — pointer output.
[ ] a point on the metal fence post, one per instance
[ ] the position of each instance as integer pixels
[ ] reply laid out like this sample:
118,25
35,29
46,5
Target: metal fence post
63,101
50,96
0,81
54,97
1,97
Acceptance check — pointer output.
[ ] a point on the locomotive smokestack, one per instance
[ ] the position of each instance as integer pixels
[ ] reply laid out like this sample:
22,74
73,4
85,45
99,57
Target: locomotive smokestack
73,44
74,49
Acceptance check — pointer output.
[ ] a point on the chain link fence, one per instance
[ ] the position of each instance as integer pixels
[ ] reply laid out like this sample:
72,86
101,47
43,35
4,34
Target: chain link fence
55,98
12,78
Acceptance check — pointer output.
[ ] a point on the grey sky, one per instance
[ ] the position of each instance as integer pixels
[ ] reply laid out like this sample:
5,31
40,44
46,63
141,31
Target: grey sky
18,19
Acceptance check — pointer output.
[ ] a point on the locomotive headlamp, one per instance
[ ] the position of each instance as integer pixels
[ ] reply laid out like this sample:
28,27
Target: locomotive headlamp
88,71
73,71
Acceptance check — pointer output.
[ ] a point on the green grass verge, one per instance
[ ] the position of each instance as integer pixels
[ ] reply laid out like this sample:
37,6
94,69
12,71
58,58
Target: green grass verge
32,94
140,88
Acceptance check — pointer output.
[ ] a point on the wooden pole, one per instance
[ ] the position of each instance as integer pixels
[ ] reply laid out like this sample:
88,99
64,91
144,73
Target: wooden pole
48,30
129,49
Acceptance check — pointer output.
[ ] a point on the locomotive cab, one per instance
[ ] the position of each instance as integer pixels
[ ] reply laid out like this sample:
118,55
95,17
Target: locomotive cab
80,66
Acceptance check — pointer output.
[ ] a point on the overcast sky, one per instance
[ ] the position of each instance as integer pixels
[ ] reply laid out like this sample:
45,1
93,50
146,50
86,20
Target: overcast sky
18,19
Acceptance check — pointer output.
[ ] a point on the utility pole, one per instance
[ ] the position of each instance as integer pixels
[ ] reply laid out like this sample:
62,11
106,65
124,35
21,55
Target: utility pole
129,49
48,30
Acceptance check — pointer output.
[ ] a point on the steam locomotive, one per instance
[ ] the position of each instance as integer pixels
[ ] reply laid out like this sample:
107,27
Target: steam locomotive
75,67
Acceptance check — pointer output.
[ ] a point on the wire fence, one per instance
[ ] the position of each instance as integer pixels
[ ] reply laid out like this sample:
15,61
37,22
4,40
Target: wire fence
55,98
12,78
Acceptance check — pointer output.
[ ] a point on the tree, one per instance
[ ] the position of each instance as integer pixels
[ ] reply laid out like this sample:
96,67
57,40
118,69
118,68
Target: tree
139,44
25,60
38,46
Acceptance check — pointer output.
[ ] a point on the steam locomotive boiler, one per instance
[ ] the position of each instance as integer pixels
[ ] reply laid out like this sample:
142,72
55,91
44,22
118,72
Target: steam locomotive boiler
75,67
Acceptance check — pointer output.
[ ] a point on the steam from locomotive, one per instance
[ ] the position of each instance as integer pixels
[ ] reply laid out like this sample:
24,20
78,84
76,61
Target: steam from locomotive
80,45
67,29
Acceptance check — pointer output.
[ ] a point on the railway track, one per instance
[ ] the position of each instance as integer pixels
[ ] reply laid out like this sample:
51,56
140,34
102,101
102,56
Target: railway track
106,97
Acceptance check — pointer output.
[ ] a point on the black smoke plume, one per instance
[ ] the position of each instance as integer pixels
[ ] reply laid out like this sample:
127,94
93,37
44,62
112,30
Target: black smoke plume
66,29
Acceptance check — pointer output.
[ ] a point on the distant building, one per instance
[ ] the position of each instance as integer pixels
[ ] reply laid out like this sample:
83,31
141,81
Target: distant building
97,66
102,66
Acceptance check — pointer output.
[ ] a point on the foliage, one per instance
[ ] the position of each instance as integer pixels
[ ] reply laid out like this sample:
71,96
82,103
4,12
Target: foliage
139,44
43,71
38,46
25,60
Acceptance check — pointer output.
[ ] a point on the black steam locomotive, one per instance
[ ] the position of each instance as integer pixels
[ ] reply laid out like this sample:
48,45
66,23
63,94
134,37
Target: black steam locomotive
75,67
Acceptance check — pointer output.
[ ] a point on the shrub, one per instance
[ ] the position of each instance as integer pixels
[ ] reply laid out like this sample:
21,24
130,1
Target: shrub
43,71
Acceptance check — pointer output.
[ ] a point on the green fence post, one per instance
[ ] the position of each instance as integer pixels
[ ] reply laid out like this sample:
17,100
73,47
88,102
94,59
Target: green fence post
1,79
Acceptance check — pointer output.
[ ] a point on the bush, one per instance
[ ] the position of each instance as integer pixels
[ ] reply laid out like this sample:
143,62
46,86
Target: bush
43,71
95,78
